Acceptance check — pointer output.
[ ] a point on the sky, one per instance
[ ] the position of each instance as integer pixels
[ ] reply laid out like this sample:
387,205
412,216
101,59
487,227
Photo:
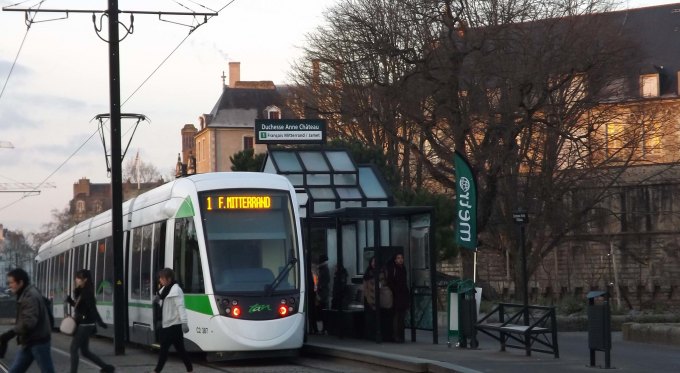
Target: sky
60,82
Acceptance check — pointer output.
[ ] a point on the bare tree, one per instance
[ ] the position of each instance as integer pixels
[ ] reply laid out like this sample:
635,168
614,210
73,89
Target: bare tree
136,170
530,90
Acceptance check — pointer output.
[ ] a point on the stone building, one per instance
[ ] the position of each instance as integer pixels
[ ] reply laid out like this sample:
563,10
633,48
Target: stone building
90,199
230,127
631,242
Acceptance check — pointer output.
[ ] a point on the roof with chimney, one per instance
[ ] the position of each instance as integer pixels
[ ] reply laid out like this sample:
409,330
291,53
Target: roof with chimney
241,102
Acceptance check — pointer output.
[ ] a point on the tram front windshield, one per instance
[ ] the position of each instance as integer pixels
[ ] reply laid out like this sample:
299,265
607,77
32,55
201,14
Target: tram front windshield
251,241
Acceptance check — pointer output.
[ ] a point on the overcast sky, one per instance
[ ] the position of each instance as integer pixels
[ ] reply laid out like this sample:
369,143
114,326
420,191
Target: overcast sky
60,82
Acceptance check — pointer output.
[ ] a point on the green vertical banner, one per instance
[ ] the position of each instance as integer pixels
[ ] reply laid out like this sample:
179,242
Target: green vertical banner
466,203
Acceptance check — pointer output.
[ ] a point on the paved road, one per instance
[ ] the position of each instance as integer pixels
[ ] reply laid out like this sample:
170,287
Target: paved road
138,360
626,356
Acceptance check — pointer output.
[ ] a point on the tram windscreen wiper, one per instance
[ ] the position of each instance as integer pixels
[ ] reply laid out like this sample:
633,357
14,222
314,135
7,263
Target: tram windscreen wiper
269,289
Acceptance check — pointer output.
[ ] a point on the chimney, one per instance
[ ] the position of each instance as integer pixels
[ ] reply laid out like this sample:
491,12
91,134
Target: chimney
234,73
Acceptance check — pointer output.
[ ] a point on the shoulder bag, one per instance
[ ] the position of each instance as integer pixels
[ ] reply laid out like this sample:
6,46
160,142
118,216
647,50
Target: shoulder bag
68,323
386,297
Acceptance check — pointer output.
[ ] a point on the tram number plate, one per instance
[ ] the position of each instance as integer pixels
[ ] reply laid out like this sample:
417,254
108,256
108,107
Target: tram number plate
200,330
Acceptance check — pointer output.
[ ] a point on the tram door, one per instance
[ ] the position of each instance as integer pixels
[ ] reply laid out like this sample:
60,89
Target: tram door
157,263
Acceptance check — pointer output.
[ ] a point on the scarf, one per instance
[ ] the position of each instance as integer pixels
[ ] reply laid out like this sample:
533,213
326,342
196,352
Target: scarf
166,290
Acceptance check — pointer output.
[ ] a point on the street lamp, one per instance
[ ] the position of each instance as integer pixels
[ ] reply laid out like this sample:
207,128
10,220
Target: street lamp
521,217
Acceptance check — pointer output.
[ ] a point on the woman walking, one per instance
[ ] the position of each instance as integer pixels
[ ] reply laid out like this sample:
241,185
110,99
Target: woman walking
174,316
86,315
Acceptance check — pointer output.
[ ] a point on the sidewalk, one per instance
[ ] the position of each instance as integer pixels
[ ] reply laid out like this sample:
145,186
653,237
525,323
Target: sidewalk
424,356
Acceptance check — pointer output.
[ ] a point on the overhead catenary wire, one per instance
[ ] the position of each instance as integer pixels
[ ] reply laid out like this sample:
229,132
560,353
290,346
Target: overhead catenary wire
21,47
125,101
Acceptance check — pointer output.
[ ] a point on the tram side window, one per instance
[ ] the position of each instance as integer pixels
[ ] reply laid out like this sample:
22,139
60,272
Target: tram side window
145,269
65,275
59,291
108,271
99,275
52,279
76,264
135,257
158,247
186,257
93,258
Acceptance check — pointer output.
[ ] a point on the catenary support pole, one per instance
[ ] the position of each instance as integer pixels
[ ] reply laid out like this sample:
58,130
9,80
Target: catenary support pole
119,299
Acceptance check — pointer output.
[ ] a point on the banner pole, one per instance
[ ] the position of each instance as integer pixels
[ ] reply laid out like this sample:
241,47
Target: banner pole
474,268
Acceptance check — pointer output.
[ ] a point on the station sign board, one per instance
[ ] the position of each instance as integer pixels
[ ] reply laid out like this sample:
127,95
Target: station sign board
290,131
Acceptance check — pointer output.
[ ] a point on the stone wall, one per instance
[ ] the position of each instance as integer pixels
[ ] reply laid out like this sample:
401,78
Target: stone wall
647,272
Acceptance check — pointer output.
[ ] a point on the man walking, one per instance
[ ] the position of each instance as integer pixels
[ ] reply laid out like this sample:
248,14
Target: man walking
32,326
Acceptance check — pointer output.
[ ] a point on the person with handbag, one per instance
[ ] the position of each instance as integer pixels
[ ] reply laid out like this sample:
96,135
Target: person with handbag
369,300
174,319
86,318
31,327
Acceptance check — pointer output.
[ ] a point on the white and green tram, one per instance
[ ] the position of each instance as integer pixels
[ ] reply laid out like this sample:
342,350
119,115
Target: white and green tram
235,244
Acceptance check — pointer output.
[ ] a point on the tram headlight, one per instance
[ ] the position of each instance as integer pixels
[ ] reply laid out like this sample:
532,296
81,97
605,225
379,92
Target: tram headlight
236,311
283,310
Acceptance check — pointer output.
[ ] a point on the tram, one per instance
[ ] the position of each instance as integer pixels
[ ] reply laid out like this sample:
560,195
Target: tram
234,241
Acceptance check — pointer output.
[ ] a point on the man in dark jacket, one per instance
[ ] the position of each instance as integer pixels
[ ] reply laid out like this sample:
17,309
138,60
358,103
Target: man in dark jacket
323,289
397,280
32,326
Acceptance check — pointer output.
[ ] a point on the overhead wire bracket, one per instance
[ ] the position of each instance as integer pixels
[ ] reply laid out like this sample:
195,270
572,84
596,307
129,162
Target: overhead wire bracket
106,116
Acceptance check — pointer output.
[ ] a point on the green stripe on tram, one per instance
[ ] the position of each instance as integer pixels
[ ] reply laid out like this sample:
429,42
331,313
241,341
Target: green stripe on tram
186,209
198,303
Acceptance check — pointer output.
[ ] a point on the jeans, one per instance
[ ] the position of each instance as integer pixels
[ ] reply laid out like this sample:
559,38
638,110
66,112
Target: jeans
40,353
81,341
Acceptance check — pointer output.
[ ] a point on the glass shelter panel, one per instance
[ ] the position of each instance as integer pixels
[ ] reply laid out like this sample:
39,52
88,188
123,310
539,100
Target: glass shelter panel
340,161
286,161
314,162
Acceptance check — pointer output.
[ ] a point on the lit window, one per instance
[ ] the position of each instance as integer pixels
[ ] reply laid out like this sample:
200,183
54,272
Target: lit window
614,137
649,85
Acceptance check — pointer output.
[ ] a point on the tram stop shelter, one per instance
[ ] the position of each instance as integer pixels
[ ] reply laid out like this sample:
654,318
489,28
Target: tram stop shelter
347,213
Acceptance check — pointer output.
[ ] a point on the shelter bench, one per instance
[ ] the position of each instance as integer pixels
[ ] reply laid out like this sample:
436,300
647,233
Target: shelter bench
540,335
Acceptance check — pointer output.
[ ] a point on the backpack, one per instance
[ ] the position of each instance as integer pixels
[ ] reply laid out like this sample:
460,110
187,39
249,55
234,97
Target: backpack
50,314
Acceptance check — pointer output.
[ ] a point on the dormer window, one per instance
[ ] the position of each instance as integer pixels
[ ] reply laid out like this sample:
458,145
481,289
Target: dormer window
649,85
272,112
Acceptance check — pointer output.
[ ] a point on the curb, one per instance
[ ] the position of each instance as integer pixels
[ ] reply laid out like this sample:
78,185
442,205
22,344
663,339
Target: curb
398,362
666,333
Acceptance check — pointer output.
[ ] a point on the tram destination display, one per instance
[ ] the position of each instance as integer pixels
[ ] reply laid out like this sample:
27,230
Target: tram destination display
214,202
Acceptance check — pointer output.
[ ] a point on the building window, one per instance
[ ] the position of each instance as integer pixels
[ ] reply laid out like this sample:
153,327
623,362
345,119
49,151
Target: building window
272,112
247,142
649,85
614,138
80,207
98,206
